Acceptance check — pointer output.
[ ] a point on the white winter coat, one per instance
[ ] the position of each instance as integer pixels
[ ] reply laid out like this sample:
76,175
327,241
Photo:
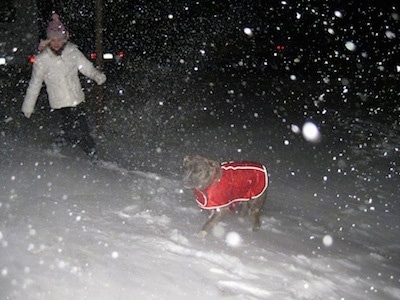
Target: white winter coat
60,74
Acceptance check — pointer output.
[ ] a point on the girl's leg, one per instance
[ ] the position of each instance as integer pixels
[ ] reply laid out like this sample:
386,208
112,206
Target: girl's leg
76,128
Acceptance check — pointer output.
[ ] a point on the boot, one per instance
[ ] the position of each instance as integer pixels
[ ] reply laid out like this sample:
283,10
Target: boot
94,159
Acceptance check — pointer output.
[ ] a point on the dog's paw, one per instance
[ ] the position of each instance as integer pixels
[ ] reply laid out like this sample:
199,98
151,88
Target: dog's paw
256,227
202,234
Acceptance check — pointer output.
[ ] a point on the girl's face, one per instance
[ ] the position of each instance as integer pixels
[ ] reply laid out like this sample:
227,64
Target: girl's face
56,44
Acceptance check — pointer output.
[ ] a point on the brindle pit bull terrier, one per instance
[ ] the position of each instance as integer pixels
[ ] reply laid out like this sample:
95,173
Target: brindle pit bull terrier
218,186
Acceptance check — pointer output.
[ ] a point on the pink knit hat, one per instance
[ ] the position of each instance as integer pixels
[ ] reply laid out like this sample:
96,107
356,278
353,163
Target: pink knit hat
56,29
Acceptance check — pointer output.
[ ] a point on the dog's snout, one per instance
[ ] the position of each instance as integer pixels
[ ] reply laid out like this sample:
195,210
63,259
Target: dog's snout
186,176
186,159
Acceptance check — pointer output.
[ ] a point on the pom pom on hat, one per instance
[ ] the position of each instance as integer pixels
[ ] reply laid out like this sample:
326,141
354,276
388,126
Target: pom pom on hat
56,29
55,17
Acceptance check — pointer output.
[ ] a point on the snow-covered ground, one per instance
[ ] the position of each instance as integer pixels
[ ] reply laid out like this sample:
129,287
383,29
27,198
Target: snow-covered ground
127,229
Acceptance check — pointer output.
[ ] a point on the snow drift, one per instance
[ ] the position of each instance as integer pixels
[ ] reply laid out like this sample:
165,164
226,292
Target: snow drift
330,226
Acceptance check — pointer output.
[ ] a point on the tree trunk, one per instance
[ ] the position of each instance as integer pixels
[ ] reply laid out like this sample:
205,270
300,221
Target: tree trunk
99,62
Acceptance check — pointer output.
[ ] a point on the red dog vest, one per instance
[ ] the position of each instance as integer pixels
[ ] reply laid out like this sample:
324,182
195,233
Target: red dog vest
240,181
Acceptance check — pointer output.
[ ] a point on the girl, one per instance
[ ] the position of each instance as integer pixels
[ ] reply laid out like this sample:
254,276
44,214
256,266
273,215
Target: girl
57,65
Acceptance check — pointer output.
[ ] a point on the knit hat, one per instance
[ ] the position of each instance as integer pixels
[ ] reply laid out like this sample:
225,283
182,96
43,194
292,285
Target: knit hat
56,29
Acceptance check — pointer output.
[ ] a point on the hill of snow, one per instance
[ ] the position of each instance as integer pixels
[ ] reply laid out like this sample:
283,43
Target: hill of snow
127,229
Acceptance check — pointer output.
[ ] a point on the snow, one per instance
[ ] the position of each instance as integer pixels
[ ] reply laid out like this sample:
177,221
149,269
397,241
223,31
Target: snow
309,90
311,132
126,229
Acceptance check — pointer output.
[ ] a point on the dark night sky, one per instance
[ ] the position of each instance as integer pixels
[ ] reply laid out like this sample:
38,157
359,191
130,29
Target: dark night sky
217,26
125,20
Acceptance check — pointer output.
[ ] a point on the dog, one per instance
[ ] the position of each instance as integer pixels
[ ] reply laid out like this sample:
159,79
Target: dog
219,186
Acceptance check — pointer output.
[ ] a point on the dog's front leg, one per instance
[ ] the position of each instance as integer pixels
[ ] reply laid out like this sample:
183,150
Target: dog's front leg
255,209
215,217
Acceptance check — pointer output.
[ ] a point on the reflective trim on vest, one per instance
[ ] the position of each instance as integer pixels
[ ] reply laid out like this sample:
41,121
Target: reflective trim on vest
240,181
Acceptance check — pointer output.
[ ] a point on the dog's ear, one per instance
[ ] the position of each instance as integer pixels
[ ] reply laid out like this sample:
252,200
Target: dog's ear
216,169
188,160
214,164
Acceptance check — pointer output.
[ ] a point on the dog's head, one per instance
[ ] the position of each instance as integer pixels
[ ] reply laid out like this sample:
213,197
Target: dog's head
198,172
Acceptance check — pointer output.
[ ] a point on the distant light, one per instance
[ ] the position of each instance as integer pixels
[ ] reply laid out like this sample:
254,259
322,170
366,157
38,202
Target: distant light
15,49
108,56
32,59
280,47
170,16
2,61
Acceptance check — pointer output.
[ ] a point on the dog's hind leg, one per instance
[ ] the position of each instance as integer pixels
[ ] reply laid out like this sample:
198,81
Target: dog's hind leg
214,218
255,210
244,209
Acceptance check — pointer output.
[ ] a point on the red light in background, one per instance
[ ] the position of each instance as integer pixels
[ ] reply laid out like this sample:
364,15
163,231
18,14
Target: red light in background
93,55
280,47
32,59
121,54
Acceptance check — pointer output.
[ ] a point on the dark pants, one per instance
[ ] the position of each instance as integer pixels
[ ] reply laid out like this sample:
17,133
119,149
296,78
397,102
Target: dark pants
76,129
